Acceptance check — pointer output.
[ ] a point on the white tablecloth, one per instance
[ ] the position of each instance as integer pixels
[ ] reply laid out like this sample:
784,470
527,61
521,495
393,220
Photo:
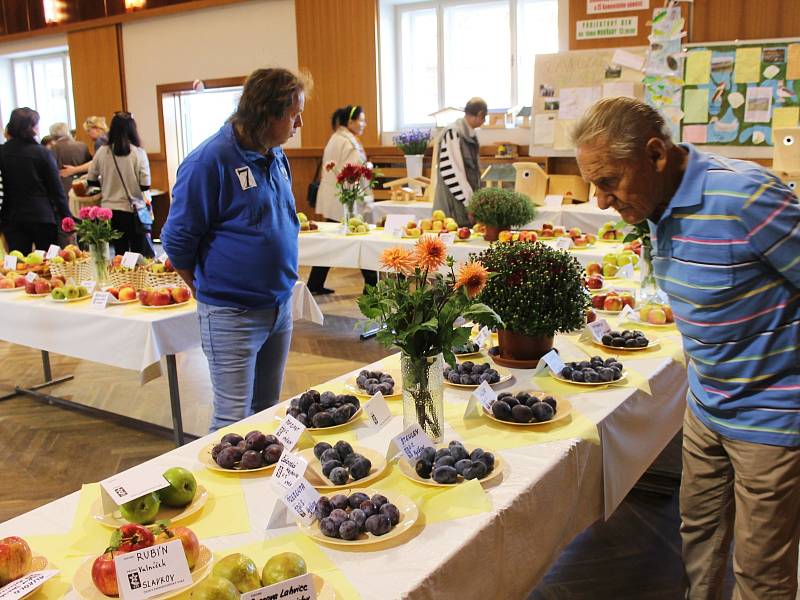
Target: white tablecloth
549,493
126,336
328,247
419,210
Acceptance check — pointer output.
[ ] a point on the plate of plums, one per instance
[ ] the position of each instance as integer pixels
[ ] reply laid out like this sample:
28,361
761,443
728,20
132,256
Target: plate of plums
340,465
367,383
629,341
593,372
528,409
328,410
451,464
256,451
470,375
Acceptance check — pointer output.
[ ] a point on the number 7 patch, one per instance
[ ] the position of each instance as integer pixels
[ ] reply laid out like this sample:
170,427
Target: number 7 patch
246,179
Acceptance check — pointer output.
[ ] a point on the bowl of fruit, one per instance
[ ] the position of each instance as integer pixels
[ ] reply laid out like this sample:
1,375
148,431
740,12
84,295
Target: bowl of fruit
178,501
340,465
613,302
468,348
69,293
593,372
451,464
654,314
324,411
368,383
307,226
356,226
528,409
165,297
470,375
361,518
256,451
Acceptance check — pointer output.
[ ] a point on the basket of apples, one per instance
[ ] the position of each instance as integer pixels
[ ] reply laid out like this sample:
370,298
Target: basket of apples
159,274
165,297
72,262
96,578
119,276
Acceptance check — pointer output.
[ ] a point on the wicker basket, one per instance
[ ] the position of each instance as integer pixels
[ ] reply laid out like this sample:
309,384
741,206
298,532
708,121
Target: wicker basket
79,270
132,277
158,280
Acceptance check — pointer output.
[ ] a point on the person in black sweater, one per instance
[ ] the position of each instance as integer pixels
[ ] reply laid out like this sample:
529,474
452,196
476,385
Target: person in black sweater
34,201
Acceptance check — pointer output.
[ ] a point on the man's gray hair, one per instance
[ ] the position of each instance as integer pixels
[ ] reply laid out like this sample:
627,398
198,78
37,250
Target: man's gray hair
476,107
622,125
59,130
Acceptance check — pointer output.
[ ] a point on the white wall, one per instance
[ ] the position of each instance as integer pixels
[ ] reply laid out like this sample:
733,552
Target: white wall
227,41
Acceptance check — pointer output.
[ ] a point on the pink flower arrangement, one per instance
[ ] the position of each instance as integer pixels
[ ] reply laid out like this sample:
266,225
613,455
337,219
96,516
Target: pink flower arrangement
94,227
68,224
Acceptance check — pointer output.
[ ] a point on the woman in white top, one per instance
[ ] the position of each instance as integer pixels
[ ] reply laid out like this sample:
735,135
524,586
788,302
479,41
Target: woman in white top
342,148
123,172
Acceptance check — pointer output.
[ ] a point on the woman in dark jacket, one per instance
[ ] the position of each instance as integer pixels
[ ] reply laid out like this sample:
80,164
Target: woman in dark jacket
34,201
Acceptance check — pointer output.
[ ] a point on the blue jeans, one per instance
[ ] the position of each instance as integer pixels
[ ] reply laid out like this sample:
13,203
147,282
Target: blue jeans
246,352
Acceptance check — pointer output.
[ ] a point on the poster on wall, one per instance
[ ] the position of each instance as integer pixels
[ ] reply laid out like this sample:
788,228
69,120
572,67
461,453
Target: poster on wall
591,29
738,94
594,7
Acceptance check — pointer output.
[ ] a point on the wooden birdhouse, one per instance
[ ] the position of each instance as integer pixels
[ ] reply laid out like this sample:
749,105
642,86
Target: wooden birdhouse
407,189
499,118
499,175
524,117
568,185
786,150
531,180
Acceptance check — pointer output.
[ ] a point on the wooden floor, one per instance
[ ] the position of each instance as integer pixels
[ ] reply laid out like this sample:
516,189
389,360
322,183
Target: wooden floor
635,555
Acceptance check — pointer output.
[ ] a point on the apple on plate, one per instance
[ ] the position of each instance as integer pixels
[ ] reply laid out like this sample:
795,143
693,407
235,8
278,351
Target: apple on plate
594,268
145,296
595,282
610,270
591,316
559,232
189,541
283,566
668,313
451,226
126,293
6,283
142,510
628,299
240,570
439,215
104,573
504,236
42,286
438,225
575,232
160,297
613,303
181,489
180,294
215,587
580,241
657,316
113,291
547,226
464,233
598,301
424,224
130,537
30,287
15,559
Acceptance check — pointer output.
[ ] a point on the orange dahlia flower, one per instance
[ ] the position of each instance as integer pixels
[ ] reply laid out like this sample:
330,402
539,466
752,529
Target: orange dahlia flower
398,259
472,277
430,253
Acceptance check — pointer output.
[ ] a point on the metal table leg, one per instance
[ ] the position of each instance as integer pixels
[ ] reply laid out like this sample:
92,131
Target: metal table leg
48,378
175,400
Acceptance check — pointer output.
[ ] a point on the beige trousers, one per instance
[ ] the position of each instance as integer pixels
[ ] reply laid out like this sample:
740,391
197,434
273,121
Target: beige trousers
745,491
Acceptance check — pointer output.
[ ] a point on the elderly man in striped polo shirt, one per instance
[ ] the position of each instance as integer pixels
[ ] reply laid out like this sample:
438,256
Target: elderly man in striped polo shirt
726,250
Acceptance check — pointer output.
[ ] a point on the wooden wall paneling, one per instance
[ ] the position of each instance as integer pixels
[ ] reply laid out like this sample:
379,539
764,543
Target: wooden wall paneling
724,20
337,44
83,10
304,168
3,30
36,14
16,16
97,76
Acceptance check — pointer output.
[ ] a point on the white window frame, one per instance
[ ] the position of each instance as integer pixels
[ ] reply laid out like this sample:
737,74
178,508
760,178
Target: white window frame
439,6
65,65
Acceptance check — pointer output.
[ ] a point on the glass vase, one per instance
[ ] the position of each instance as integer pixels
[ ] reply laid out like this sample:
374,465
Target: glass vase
648,287
100,258
423,394
349,213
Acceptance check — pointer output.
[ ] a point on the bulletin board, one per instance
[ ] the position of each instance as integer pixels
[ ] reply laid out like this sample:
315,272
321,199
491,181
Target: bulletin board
735,94
567,83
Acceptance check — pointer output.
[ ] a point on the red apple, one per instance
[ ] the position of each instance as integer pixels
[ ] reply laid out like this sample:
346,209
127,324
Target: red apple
547,226
42,286
126,293
56,283
628,299
594,268
668,313
114,292
580,241
146,297
180,294
598,300
559,231
464,233
161,297
168,265
613,303
30,287
575,232
15,559
134,537
591,316
19,281
104,573
191,545
595,282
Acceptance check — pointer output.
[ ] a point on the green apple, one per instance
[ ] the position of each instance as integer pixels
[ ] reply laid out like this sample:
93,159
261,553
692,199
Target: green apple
215,587
182,487
18,254
240,570
354,221
82,291
34,259
302,217
283,566
71,292
624,259
57,293
142,510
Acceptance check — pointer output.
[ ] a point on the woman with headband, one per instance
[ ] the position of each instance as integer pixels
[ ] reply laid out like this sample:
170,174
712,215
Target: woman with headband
342,148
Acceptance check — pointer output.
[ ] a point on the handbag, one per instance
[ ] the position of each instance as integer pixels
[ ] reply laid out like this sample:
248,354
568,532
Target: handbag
140,208
313,187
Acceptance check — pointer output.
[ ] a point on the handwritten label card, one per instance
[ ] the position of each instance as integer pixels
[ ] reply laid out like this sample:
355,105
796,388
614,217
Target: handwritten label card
448,238
23,586
297,588
10,262
31,277
52,251
484,396
301,499
152,571
628,314
289,432
553,200
599,328
289,469
100,299
395,222
551,361
132,484
563,243
130,259
410,442
377,410
483,337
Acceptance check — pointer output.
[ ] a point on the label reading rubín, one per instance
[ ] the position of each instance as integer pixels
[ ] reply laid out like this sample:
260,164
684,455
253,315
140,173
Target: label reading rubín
152,571
298,588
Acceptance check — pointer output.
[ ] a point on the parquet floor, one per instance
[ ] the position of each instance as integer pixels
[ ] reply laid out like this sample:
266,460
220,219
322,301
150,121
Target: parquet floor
635,555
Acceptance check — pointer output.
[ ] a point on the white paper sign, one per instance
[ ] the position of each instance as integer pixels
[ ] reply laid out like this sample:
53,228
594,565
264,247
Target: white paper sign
591,29
289,469
629,314
10,262
133,484
89,284
551,361
599,328
483,396
410,442
624,58
152,571
483,337
301,499
24,585
606,6
130,259
52,251
30,277
289,432
553,200
394,222
563,243
377,410
448,238
100,299
162,258
626,272
297,588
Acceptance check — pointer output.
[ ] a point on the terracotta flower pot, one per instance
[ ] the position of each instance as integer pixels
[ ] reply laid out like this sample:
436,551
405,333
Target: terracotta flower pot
520,348
492,233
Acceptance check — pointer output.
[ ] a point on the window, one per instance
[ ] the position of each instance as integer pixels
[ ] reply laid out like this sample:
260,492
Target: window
199,115
44,83
451,50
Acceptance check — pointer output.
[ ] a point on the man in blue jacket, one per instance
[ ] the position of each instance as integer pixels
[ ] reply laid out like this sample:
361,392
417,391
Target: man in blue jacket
232,236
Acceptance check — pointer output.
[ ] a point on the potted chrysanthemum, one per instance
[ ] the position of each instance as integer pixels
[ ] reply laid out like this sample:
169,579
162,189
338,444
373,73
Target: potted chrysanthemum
537,291
416,307
500,209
